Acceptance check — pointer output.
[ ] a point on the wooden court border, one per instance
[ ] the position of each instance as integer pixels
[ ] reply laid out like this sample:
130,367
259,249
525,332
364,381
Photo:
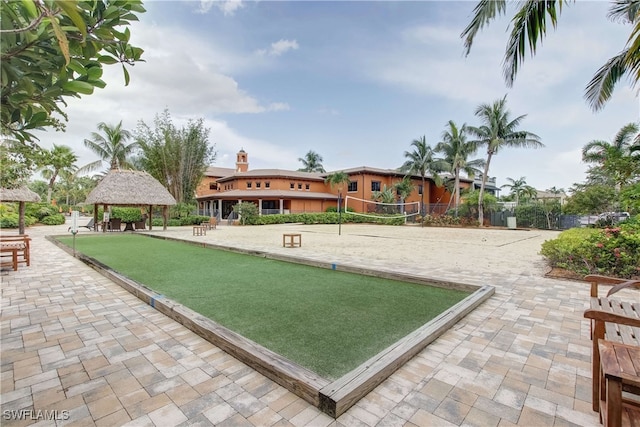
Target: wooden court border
332,397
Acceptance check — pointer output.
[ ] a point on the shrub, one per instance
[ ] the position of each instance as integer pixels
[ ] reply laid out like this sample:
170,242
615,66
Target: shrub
126,214
40,210
611,251
56,219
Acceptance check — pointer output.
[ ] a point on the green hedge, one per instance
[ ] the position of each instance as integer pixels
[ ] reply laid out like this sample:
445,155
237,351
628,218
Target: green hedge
56,219
320,218
611,251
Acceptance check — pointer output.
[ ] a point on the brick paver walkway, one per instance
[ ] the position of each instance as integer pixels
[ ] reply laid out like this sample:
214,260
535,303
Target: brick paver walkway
78,347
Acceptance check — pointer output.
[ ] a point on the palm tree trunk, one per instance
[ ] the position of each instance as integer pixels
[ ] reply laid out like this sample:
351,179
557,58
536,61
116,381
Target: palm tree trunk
481,195
456,191
422,204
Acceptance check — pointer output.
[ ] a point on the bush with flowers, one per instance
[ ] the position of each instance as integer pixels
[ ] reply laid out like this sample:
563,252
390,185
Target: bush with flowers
610,251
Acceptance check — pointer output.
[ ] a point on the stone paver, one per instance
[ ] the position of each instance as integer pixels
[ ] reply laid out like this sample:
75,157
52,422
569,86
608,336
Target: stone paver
79,349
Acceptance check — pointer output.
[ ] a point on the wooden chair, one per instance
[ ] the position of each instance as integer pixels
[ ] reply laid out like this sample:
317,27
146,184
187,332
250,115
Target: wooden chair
18,247
613,320
115,224
211,225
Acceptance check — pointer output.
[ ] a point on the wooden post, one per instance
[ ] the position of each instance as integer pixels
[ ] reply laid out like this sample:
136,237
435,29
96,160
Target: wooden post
21,207
150,217
164,217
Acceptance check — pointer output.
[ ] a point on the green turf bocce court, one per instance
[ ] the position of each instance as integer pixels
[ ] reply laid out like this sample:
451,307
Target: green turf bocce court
326,321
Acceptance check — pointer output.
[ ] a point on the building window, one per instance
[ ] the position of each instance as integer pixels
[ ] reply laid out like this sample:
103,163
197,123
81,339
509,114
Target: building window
258,184
353,186
267,184
213,186
375,185
292,186
248,184
299,186
307,187
420,189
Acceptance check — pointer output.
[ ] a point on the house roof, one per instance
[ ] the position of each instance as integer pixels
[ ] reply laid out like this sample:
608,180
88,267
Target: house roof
218,172
268,194
274,173
130,188
20,194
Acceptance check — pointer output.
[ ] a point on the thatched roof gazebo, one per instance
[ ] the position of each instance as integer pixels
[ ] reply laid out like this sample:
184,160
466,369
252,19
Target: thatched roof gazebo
130,188
20,195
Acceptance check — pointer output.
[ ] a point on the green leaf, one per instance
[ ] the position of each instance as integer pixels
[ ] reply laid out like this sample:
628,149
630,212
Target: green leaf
62,38
70,8
106,59
30,7
78,86
126,75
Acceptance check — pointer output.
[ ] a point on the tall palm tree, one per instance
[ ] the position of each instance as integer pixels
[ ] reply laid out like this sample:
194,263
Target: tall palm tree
338,179
422,161
456,150
110,147
59,160
616,159
497,132
529,25
312,162
519,189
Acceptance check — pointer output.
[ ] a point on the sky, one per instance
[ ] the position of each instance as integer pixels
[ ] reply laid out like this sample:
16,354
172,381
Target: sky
357,82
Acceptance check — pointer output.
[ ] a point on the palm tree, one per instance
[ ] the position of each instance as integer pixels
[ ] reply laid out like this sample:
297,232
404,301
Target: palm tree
498,131
421,161
59,160
111,147
403,189
456,151
616,159
520,189
338,179
312,162
530,26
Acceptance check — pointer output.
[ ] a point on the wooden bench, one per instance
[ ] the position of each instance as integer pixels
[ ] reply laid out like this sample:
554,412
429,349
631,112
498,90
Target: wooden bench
292,240
17,247
199,230
613,320
619,370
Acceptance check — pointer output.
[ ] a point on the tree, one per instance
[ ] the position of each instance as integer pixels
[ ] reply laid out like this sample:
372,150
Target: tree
529,25
497,132
456,150
338,179
110,147
55,49
177,157
60,160
312,162
422,161
404,188
616,159
519,189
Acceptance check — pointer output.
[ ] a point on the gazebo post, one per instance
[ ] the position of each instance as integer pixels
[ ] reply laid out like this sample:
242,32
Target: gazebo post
21,207
164,218
150,217
95,217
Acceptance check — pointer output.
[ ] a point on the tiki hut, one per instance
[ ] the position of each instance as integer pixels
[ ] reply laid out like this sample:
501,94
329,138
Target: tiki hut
130,188
20,195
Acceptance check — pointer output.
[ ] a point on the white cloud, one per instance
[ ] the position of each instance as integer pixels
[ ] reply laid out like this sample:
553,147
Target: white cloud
280,47
228,7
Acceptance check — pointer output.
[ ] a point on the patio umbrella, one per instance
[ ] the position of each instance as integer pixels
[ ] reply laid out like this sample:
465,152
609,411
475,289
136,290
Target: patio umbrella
20,195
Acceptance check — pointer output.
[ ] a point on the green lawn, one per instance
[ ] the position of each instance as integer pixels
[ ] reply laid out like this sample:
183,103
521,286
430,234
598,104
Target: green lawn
328,321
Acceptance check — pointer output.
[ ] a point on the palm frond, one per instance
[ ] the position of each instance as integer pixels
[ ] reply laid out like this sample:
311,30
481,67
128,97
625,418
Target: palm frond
484,12
601,86
624,11
529,26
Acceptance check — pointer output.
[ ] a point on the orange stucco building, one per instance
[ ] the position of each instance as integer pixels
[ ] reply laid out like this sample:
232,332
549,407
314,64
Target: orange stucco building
287,191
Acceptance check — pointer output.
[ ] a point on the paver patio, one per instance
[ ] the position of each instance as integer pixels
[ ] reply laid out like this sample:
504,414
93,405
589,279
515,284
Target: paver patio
78,347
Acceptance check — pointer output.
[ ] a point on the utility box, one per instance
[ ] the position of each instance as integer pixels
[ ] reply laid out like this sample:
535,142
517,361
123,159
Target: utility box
511,222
